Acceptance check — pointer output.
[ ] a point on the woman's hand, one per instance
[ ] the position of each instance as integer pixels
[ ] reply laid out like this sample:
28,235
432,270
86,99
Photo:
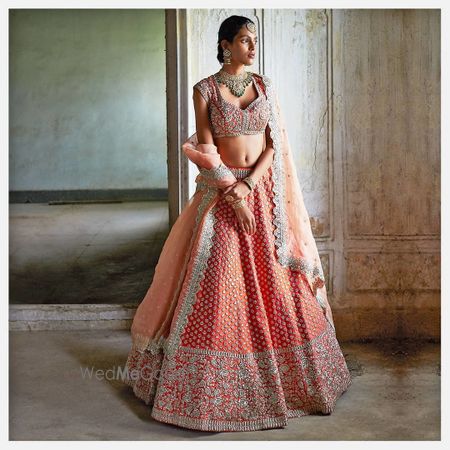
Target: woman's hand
246,219
238,190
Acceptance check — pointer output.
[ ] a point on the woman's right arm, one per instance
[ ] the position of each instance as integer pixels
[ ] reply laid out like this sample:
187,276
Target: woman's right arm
204,133
203,128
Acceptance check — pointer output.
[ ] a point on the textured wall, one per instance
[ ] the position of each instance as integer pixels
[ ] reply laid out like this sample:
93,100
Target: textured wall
360,92
386,79
87,99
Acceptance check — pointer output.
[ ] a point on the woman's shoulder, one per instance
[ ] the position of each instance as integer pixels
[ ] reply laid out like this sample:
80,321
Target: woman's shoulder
204,81
204,84
262,77
205,87
263,81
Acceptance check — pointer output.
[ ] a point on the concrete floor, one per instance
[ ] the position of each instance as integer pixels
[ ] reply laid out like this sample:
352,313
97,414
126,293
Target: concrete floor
395,394
84,253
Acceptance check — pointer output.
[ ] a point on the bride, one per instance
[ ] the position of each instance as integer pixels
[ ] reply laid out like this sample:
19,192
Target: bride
235,332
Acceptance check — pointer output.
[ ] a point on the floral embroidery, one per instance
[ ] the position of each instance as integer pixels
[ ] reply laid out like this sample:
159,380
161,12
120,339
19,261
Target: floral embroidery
254,391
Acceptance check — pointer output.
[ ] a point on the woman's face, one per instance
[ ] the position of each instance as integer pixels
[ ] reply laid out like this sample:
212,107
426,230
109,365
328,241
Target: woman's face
243,48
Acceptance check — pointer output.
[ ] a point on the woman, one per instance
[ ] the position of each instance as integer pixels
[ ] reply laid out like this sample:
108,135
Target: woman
235,332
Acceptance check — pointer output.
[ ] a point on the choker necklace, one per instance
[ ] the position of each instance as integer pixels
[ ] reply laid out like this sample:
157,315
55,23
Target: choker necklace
236,83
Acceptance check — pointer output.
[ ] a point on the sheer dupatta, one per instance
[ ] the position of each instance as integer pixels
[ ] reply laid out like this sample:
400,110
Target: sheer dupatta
296,246
153,317
294,241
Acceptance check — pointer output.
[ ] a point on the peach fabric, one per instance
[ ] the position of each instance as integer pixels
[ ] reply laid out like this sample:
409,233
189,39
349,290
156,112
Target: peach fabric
301,243
151,323
205,156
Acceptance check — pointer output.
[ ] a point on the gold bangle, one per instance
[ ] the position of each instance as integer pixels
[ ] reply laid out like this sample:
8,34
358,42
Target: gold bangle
239,204
249,182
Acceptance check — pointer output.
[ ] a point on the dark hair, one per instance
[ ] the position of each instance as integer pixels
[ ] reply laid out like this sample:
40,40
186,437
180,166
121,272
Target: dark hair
229,28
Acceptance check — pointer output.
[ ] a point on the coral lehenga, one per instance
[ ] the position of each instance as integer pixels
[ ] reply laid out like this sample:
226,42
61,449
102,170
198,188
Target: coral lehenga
235,332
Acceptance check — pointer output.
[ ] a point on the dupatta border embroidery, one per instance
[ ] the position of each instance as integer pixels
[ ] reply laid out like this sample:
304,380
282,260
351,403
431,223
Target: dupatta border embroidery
198,272
165,344
216,173
279,218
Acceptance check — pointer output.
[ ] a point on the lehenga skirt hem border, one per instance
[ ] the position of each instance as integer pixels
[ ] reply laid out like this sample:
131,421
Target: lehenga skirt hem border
218,425
248,425
147,397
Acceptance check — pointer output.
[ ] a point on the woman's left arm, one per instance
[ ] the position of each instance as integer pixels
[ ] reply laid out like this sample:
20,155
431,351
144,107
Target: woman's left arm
265,159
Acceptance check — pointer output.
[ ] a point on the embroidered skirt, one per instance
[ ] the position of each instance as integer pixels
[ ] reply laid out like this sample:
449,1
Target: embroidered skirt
252,344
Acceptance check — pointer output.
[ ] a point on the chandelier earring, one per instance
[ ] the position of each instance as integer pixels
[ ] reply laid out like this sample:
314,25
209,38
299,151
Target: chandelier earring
227,56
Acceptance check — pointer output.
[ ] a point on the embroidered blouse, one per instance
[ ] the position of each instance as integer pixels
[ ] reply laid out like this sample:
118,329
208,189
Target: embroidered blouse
227,119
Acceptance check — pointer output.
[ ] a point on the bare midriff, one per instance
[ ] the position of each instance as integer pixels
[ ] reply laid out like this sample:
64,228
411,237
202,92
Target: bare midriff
241,151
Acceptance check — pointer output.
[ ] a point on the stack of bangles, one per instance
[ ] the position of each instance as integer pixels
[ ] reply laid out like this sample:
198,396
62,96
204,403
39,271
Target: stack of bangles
240,203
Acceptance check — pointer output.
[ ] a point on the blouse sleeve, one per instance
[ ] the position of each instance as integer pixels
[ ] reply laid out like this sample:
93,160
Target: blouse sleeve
204,90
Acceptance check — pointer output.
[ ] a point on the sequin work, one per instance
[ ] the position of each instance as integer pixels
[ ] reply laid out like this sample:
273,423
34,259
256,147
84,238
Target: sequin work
254,347
227,119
